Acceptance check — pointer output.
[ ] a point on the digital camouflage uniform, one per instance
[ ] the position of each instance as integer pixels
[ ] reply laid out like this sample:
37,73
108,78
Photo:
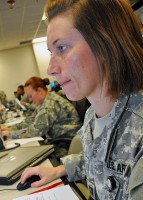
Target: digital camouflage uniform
113,162
3,97
55,117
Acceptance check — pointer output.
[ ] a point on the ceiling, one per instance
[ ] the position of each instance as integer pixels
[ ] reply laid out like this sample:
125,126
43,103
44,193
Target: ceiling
18,26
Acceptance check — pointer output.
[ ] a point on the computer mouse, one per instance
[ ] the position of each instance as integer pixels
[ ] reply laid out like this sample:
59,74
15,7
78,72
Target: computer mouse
27,183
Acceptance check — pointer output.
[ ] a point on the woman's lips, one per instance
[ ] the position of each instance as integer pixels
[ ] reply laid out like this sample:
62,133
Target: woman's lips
63,84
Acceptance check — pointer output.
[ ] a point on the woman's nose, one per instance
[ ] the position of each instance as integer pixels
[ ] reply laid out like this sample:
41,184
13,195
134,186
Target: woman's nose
53,67
49,69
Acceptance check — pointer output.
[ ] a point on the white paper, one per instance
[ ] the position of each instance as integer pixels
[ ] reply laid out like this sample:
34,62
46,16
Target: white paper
22,141
13,121
58,193
19,103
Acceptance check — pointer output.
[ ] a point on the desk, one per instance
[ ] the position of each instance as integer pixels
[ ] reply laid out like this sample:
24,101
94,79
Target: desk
10,194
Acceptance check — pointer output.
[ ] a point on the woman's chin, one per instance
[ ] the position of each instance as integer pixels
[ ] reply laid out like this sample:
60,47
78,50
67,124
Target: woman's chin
72,97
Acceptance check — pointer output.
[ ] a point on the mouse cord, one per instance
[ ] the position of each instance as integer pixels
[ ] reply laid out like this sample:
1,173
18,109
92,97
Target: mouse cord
7,189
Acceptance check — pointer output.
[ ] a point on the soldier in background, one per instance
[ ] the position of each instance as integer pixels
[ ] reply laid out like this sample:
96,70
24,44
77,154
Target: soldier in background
54,116
3,98
23,98
20,92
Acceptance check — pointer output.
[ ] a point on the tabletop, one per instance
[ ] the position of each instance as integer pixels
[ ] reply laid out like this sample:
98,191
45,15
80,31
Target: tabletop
8,194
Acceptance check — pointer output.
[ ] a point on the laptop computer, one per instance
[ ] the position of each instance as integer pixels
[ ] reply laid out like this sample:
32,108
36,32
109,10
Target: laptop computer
13,163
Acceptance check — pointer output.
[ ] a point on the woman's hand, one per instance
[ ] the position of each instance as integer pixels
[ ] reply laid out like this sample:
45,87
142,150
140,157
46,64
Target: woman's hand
5,131
47,174
2,109
23,103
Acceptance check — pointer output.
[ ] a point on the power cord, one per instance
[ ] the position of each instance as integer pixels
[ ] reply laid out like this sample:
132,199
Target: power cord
16,145
6,189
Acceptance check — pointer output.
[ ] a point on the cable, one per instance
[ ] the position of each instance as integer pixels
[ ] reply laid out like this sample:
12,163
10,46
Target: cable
16,145
6,189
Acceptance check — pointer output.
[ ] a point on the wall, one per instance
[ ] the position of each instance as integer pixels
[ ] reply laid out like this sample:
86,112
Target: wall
16,66
42,56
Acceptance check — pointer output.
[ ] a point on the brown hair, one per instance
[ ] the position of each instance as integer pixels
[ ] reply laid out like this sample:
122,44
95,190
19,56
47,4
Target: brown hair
113,32
37,82
21,87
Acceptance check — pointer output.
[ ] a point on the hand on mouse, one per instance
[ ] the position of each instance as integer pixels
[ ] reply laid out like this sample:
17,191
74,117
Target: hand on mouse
46,174
28,183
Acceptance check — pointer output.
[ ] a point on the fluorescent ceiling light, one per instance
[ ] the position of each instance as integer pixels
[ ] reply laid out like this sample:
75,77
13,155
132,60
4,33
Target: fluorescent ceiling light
44,17
42,39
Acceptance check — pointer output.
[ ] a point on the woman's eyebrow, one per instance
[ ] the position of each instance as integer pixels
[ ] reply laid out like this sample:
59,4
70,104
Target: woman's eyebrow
53,43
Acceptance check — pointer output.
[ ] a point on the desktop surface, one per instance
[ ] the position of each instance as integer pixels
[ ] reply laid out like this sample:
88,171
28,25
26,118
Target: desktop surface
10,192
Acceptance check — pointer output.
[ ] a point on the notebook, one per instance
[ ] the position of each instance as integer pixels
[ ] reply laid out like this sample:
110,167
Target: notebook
13,163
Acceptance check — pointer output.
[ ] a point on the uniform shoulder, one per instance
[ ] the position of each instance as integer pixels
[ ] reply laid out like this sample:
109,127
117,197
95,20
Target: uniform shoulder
136,103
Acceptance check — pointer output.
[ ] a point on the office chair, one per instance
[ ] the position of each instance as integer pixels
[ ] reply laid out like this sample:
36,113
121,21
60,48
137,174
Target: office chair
76,147
81,106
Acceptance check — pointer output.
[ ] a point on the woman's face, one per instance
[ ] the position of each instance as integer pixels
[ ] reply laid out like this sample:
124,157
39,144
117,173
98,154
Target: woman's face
33,95
72,61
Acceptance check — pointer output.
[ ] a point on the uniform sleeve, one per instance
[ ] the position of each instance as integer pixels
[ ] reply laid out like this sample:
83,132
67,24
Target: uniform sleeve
74,165
44,120
18,130
36,125
40,125
30,106
136,181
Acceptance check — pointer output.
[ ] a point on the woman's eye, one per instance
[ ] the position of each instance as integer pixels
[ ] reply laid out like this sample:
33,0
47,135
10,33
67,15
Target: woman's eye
61,48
